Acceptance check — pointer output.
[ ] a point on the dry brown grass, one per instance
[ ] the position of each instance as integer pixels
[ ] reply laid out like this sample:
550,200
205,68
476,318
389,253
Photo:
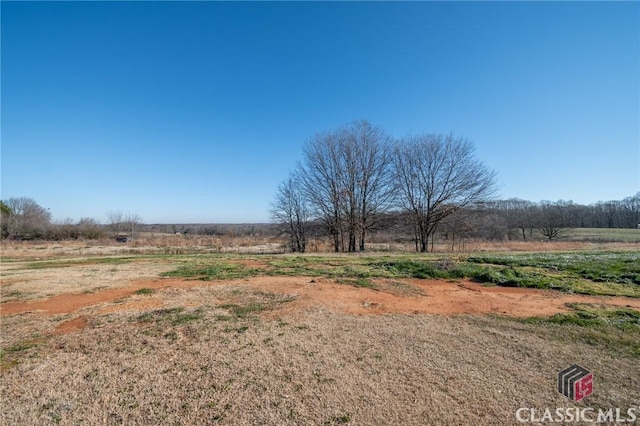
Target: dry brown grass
143,244
237,353
170,244
314,367
19,282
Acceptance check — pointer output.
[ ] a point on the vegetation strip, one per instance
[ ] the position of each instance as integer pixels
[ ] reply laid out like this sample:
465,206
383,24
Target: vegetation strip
599,273
615,328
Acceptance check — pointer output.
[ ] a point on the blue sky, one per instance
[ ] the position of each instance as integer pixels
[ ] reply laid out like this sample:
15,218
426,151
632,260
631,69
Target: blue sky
195,112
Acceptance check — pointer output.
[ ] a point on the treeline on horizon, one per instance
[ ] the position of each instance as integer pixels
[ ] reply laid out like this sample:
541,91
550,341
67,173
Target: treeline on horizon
356,182
511,219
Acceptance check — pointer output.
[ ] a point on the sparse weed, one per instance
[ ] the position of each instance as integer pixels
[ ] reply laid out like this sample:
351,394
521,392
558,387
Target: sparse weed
12,295
615,329
339,420
47,264
357,282
11,355
243,311
172,316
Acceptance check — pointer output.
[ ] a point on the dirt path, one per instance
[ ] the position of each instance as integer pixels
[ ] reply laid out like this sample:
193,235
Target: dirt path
428,296
68,303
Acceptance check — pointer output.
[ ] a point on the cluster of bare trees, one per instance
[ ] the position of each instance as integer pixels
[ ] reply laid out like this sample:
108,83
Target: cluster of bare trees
22,218
122,225
351,177
344,182
520,218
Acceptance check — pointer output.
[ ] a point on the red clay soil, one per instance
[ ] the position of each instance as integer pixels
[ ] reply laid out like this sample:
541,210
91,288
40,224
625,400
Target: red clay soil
438,297
72,325
68,303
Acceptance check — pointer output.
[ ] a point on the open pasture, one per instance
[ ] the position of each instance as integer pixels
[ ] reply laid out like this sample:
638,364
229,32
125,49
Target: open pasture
104,336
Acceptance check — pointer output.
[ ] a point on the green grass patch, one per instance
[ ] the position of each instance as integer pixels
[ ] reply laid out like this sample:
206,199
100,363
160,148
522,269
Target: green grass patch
517,277
217,270
614,329
145,291
66,263
592,315
626,235
595,273
615,267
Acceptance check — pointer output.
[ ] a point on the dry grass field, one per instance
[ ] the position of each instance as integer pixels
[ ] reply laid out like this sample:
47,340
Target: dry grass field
174,334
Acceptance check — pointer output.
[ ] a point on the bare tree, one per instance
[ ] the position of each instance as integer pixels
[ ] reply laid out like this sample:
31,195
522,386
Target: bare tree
132,222
346,180
89,228
632,211
457,226
551,220
119,223
27,220
63,230
321,184
436,175
519,215
291,209
115,222
371,177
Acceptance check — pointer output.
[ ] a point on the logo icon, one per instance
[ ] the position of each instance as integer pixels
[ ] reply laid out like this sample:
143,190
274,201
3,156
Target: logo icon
575,382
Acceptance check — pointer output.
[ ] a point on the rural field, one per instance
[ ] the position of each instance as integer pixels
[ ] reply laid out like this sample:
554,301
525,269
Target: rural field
147,335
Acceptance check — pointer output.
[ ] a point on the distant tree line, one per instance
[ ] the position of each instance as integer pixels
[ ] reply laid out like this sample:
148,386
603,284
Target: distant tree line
518,219
22,218
356,180
230,230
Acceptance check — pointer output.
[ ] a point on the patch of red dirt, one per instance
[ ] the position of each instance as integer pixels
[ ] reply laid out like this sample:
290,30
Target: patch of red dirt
72,325
68,303
439,297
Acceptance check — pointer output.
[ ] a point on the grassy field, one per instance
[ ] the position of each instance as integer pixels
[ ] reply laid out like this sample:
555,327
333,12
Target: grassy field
246,339
605,234
601,273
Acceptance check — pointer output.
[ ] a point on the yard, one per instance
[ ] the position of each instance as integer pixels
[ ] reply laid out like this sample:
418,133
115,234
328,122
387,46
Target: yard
100,336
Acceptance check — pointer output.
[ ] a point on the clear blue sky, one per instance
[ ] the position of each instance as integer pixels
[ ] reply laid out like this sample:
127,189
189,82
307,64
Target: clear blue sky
194,112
